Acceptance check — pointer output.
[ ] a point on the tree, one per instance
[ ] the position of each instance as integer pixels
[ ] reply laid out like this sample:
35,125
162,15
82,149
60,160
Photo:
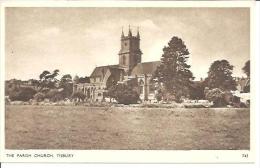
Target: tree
111,90
66,84
84,79
197,90
246,68
48,80
22,94
220,76
174,71
44,74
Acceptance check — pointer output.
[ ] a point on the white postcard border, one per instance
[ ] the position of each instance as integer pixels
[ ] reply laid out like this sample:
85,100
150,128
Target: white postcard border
137,156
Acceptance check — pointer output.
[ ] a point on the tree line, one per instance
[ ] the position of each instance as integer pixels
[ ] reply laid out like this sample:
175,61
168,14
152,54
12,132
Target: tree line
176,82
48,86
173,76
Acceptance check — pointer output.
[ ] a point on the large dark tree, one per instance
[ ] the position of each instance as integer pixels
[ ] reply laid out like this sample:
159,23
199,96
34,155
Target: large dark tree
246,68
174,71
220,76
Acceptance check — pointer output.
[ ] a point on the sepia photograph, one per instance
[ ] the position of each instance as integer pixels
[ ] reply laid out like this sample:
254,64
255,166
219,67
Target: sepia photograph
127,78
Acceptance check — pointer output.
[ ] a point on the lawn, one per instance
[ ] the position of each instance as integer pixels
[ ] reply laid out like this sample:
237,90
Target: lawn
81,127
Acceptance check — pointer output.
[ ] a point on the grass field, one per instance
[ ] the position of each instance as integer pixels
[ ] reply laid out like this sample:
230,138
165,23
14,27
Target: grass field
79,127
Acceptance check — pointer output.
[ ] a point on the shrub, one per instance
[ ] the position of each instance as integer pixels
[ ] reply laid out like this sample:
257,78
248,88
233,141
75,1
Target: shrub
217,96
80,95
54,95
22,94
125,94
39,96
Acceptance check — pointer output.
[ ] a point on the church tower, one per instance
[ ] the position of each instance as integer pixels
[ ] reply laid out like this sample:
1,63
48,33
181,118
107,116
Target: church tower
130,53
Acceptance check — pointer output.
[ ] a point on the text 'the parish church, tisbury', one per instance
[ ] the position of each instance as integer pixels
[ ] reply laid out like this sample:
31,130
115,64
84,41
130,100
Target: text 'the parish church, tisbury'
130,67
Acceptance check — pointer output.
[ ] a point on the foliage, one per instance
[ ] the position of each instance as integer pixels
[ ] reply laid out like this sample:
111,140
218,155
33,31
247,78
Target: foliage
174,71
22,94
79,95
159,95
123,93
217,96
84,80
54,95
126,95
111,89
247,88
246,68
197,90
48,80
220,76
66,84
39,96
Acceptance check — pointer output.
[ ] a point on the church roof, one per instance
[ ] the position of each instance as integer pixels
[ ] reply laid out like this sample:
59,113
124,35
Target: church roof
145,68
101,70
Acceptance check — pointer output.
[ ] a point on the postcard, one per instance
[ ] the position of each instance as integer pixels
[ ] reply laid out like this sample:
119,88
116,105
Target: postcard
128,82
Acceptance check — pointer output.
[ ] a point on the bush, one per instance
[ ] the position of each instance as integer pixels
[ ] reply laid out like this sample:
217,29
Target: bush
127,97
39,96
124,94
54,95
217,96
22,94
80,95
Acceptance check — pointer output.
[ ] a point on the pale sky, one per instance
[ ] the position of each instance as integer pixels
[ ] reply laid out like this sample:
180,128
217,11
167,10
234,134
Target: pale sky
76,40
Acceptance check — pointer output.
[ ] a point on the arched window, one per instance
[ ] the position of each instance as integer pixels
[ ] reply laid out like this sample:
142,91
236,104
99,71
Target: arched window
141,86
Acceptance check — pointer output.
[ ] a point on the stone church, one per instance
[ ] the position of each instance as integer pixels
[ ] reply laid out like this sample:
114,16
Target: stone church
130,67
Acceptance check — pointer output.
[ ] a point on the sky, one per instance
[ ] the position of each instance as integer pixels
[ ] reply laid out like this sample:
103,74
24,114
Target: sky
76,40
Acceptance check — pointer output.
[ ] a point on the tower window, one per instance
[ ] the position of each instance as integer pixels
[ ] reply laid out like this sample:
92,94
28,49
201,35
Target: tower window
125,44
124,60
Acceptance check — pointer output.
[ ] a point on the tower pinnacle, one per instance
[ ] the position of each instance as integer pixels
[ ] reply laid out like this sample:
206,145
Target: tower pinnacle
129,31
138,35
122,35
